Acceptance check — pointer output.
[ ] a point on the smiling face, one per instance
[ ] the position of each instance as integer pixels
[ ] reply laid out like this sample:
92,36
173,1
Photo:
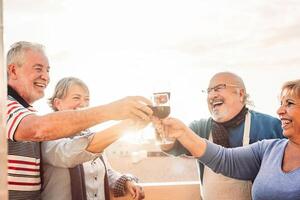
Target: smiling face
32,77
225,96
76,97
289,114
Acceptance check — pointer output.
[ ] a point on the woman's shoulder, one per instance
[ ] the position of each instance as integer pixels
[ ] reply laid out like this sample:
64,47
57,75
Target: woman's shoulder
272,143
262,116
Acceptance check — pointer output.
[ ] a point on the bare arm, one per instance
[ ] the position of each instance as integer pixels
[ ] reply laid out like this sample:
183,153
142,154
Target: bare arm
69,152
104,138
66,123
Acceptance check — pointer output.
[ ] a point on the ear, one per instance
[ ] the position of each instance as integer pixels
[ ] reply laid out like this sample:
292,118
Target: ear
57,103
12,71
242,94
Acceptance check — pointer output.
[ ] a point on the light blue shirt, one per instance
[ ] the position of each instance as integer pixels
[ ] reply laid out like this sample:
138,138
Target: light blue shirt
260,162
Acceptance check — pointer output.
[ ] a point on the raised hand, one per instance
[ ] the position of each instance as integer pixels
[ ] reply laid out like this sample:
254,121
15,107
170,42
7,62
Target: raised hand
171,127
133,107
174,128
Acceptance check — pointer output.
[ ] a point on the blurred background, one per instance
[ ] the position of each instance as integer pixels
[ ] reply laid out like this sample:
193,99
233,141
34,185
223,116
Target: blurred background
134,47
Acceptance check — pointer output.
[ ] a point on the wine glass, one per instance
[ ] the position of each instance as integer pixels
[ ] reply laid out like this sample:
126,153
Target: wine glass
161,109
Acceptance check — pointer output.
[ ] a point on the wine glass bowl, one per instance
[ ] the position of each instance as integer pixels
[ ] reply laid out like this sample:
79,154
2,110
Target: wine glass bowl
161,104
161,109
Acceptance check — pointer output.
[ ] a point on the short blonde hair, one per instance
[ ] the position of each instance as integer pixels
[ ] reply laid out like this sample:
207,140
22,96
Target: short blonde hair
62,87
291,88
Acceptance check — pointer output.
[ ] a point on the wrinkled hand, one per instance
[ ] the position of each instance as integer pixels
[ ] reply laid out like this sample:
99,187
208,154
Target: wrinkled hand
171,127
174,128
134,107
135,190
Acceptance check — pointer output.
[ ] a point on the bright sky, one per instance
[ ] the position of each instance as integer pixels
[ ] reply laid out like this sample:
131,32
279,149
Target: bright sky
131,47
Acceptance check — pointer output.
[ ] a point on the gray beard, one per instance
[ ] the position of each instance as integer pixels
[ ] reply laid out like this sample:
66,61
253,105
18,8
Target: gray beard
217,115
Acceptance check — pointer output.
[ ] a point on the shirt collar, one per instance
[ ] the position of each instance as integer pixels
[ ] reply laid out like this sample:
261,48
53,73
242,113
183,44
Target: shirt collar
13,93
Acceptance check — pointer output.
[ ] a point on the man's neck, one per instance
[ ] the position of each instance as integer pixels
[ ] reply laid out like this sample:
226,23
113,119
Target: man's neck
13,93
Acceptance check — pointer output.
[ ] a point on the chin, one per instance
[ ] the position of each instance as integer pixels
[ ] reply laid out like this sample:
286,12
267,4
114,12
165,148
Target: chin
286,134
220,117
38,96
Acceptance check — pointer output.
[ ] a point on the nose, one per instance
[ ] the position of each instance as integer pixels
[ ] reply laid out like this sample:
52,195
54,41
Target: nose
45,76
211,94
281,110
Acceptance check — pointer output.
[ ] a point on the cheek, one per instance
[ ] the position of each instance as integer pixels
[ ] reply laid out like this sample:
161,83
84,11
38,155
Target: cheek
67,105
297,124
30,76
73,106
25,79
233,101
209,105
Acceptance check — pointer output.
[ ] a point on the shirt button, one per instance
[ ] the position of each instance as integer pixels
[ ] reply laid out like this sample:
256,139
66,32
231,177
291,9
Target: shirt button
95,195
95,177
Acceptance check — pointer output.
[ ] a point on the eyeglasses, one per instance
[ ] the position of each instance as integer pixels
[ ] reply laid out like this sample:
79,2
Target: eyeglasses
218,88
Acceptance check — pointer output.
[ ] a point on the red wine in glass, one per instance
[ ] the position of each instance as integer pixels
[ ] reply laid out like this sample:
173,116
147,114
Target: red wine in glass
161,104
161,111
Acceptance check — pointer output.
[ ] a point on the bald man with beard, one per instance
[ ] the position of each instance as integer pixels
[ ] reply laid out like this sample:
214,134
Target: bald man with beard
232,124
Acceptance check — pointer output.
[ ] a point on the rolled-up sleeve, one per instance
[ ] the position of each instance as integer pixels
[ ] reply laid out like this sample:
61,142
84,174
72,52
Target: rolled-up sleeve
67,152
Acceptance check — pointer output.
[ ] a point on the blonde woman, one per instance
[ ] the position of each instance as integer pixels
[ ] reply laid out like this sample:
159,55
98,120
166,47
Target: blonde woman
74,167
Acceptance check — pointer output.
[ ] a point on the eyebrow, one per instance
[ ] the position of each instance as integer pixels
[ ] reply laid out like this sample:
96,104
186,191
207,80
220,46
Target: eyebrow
224,84
289,99
40,65
217,85
80,95
76,95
